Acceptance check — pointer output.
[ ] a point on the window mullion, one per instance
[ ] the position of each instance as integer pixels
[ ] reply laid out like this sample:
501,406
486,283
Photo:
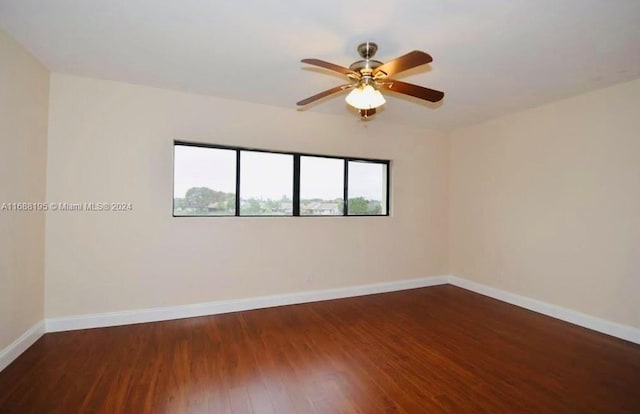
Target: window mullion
237,182
346,190
296,185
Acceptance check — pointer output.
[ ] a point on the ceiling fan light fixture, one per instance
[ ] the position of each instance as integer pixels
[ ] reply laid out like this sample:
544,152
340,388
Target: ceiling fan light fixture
365,97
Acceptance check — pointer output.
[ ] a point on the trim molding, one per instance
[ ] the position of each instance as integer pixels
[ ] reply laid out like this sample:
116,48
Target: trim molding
17,347
618,330
99,320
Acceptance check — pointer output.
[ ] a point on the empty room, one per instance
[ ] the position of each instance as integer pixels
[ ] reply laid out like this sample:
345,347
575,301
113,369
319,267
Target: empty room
409,206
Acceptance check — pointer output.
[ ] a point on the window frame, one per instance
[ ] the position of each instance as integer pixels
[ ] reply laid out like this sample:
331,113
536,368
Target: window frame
296,180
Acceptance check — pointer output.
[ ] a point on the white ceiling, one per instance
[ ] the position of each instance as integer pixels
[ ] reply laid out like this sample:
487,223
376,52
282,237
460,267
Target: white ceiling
490,57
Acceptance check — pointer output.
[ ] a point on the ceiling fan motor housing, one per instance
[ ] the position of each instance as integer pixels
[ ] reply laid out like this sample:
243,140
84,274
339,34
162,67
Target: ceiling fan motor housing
367,65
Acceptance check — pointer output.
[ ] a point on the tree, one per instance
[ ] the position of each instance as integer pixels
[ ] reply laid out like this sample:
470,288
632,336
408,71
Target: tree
179,204
252,207
374,207
200,198
285,199
271,205
229,202
358,205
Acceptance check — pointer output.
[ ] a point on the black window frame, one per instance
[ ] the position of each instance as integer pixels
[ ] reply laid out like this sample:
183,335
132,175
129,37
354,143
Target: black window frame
296,180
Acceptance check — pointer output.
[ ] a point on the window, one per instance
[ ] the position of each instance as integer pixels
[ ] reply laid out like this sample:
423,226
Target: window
367,188
212,180
266,184
321,186
204,182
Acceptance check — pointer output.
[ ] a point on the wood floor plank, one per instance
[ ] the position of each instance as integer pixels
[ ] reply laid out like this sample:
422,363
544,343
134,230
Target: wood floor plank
433,350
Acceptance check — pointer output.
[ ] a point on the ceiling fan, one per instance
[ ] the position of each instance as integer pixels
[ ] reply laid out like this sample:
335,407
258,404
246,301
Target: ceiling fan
369,76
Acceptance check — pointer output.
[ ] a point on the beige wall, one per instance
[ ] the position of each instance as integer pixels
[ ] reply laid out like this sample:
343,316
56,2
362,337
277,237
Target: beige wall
543,203
546,203
112,142
24,84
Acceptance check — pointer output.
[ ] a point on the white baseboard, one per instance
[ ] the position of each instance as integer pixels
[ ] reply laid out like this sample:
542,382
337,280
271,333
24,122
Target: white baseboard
98,320
12,351
618,330
17,347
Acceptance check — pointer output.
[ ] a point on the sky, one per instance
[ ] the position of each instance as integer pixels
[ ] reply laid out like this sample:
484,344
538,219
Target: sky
270,176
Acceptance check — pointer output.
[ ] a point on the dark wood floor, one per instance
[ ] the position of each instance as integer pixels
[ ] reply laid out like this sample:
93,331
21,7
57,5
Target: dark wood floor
434,350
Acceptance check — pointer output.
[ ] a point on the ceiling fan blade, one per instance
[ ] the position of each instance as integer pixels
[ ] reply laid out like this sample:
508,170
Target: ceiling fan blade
421,92
324,93
331,66
408,61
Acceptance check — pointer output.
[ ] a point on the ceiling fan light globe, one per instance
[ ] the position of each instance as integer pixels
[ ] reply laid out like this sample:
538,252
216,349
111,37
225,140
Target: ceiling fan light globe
365,98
